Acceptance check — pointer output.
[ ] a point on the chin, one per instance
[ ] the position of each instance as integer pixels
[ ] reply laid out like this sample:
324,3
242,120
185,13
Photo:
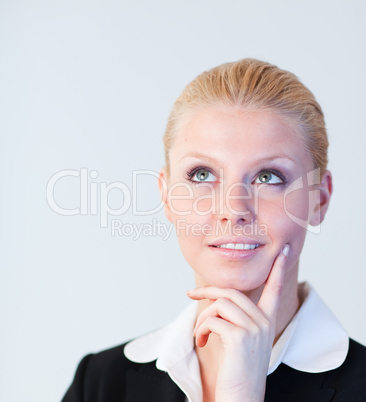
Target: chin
232,280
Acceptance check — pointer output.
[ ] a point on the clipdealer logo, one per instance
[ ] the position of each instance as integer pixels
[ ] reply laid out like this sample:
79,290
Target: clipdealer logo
91,191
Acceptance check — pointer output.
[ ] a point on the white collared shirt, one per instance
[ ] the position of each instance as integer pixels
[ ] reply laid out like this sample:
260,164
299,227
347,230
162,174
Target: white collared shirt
314,341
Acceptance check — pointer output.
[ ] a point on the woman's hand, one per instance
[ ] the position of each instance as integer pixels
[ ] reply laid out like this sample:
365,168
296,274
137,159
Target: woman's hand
246,332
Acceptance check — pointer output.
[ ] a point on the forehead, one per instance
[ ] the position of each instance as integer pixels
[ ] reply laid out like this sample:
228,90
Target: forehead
231,135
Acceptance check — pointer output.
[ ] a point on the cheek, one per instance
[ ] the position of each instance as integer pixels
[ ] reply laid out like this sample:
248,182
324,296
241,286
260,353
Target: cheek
180,200
292,204
190,203
204,203
296,205
285,218
190,236
188,222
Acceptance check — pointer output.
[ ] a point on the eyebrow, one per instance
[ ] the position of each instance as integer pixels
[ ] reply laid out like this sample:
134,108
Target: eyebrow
261,160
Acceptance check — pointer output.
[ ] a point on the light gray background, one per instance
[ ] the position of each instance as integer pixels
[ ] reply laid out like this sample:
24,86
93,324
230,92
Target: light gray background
90,84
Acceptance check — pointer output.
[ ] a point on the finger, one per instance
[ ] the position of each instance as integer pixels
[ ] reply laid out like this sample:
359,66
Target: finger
270,299
214,325
227,310
235,296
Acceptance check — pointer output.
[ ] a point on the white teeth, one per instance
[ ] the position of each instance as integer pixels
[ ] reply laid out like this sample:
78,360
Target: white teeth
239,246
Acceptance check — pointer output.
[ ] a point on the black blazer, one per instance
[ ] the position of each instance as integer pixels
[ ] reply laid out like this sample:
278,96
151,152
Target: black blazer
109,376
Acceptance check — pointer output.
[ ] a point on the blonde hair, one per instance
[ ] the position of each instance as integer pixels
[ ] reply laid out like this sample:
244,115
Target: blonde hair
251,84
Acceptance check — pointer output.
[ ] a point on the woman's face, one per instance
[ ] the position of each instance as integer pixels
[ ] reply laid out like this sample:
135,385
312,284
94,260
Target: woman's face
230,197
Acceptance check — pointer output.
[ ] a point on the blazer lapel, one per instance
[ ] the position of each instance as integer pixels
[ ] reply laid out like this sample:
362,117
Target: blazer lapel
148,384
289,385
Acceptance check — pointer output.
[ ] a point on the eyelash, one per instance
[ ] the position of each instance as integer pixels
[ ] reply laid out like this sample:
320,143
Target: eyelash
194,170
191,173
274,172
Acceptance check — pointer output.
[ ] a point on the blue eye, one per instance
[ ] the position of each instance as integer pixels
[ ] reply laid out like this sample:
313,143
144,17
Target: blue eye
267,177
201,175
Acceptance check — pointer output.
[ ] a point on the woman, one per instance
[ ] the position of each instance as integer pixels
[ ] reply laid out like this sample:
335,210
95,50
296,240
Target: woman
246,173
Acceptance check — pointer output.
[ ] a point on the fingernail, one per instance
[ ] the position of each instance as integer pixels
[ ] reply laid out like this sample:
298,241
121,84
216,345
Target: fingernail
286,250
189,292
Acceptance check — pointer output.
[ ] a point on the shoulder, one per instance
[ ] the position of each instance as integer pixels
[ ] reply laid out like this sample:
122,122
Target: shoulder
110,376
343,384
107,361
349,378
357,353
102,376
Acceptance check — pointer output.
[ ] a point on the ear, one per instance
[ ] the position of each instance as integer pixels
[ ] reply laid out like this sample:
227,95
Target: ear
163,188
324,190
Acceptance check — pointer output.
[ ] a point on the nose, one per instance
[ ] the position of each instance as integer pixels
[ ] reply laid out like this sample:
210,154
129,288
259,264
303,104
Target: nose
235,204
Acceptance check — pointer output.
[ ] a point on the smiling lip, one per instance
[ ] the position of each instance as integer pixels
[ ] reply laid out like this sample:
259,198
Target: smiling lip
235,248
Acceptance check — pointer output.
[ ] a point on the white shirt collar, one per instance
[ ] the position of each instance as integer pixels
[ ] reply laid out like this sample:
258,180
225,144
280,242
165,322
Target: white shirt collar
314,341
